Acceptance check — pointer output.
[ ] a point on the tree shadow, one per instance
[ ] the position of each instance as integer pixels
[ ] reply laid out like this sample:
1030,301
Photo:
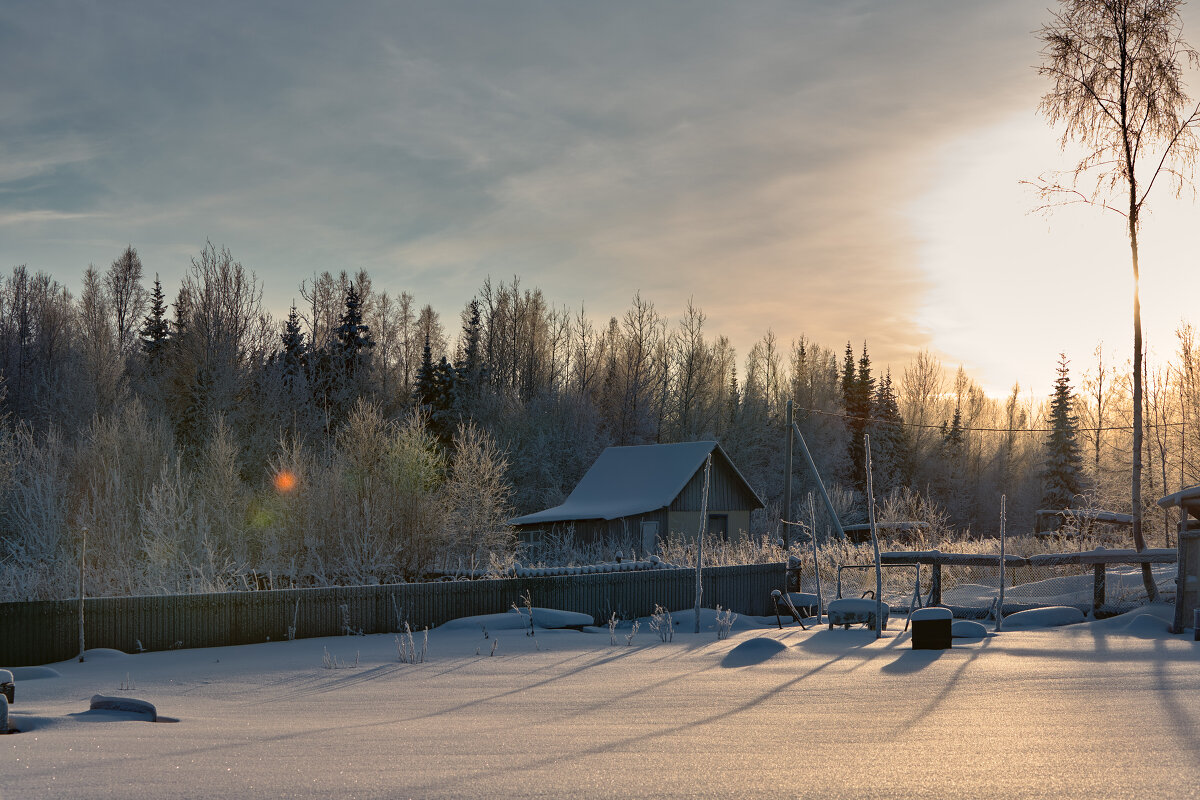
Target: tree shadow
912,661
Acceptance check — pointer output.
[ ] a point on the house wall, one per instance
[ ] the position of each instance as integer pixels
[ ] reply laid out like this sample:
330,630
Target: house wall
687,523
726,492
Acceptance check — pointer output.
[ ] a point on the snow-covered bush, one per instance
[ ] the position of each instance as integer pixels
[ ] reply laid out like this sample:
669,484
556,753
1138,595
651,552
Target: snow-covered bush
662,624
725,620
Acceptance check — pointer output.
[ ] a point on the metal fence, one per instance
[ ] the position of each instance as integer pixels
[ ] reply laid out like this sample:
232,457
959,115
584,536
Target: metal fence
1099,582
48,631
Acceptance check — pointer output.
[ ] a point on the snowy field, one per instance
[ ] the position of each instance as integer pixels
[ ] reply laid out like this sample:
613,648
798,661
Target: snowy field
1099,709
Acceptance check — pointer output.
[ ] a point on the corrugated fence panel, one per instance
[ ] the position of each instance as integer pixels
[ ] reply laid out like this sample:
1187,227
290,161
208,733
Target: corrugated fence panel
47,631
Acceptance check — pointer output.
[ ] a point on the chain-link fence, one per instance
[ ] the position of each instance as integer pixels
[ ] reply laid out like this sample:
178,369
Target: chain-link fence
1103,583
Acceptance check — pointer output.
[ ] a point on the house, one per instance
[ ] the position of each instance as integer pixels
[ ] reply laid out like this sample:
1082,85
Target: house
642,493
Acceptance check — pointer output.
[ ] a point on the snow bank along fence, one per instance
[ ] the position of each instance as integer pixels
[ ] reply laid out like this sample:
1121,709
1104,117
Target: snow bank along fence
1103,582
47,631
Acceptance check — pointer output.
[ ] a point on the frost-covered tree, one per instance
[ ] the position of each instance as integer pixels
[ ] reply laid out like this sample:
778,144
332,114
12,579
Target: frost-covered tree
1062,469
1117,70
126,296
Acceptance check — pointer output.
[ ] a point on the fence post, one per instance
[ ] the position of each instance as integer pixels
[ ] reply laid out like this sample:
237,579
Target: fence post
935,583
1098,589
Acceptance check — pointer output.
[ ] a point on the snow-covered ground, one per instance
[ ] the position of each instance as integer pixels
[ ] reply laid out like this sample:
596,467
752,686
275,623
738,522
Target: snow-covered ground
1100,709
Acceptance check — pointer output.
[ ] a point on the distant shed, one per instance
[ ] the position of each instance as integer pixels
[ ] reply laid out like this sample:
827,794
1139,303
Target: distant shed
642,493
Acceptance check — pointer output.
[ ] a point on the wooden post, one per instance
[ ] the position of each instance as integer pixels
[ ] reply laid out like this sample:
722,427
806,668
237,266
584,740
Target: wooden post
874,541
82,550
812,520
700,539
935,583
1098,588
1003,565
787,480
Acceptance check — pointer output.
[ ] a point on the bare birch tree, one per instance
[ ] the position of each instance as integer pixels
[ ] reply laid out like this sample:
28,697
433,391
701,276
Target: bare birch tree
1117,72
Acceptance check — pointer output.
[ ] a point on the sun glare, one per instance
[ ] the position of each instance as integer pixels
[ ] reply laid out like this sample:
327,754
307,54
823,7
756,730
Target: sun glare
285,481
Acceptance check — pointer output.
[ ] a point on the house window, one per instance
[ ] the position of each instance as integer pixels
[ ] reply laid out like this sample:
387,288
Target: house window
718,524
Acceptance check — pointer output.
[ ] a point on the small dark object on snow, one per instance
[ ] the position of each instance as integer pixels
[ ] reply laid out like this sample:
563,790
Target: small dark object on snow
7,687
932,628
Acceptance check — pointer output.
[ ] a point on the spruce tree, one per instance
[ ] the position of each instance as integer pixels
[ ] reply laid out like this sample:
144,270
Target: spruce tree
1062,470
353,338
889,442
155,329
858,386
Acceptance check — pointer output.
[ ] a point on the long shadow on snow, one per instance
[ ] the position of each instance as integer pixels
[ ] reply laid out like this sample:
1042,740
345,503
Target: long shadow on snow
518,690
624,745
939,698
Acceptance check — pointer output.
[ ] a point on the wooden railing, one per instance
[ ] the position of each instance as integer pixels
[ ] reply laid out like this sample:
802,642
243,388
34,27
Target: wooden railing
1099,559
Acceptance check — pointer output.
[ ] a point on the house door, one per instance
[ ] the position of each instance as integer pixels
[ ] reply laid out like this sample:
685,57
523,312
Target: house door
649,538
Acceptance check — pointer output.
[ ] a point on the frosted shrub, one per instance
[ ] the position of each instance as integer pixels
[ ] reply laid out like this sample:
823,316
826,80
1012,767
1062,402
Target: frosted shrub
632,633
330,661
725,620
662,624
406,648
527,601
612,629
743,548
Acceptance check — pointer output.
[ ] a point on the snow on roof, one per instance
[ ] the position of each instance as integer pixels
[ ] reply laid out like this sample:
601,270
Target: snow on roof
631,480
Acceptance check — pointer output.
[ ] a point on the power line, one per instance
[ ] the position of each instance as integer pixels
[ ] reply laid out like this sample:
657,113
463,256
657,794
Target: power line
943,426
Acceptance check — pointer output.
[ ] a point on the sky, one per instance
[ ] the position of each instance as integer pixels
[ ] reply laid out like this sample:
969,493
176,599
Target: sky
842,170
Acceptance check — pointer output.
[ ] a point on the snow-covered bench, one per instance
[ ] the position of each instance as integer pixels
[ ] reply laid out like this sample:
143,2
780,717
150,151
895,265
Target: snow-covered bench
847,611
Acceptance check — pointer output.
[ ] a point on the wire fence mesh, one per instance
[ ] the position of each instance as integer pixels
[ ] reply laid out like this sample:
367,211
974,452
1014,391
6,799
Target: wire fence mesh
972,589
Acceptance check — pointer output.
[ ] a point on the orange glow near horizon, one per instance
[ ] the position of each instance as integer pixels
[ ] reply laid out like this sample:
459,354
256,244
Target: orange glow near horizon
285,481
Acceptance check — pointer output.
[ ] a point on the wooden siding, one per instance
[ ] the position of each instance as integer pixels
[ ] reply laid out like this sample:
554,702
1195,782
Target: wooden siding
47,631
726,491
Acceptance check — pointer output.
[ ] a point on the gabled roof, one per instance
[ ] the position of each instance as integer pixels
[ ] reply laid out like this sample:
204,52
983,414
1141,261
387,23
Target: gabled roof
633,480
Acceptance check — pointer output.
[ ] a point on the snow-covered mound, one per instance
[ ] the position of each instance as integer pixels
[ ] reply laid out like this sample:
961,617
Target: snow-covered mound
1148,622
125,705
1036,618
753,651
33,673
514,620
97,653
967,629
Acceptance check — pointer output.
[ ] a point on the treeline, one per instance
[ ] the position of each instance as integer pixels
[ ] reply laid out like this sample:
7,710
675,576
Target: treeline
203,444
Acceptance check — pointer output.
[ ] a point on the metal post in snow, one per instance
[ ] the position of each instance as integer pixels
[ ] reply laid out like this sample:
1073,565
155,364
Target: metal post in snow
1003,569
700,539
874,541
820,484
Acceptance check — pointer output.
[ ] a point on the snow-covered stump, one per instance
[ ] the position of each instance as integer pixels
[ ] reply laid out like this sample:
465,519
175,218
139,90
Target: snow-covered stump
931,628
7,687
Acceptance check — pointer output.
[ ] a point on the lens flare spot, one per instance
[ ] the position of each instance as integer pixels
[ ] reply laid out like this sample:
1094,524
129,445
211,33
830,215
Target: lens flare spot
285,481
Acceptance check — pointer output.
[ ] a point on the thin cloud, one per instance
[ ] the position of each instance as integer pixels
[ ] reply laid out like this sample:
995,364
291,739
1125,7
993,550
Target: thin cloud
755,156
